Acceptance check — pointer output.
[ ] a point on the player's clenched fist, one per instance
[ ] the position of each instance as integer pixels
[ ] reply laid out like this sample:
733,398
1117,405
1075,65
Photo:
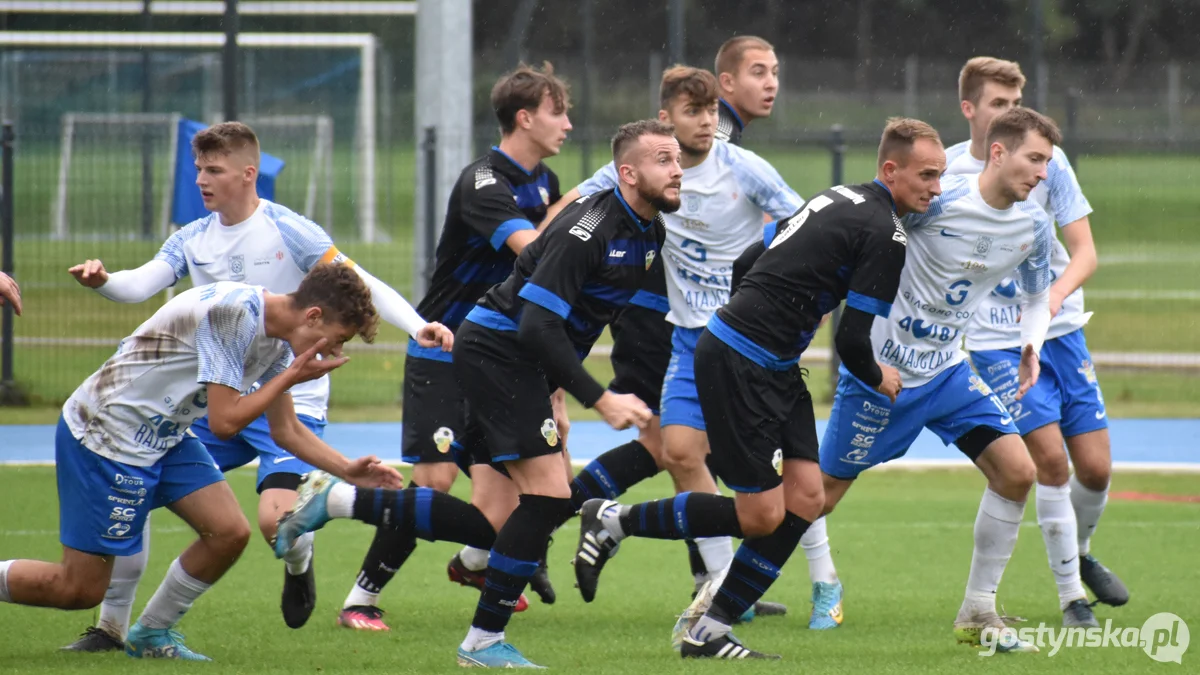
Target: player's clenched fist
90,274
891,385
10,292
622,411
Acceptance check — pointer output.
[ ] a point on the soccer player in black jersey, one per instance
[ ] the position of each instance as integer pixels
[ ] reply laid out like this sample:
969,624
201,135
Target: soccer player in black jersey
533,330
846,243
491,217
748,75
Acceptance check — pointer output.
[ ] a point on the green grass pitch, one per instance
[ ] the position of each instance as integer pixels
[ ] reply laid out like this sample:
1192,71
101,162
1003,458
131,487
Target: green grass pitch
901,540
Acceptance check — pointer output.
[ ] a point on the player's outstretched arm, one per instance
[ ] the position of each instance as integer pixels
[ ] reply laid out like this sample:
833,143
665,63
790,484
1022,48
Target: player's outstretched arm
1084,261
394,309
10,292
290,434
128,286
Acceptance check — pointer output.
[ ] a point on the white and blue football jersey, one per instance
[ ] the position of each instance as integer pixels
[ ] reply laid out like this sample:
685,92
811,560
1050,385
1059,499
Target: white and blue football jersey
995,325
722,201
273,248
958,251
139,404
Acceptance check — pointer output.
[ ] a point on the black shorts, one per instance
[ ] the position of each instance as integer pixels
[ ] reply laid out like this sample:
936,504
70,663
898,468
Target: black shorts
433,411
641,353
756,417
508,412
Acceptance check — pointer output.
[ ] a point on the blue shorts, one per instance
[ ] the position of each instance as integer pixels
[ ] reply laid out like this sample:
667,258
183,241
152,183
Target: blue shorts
1067,392
103,504
866,429
255,441
680,400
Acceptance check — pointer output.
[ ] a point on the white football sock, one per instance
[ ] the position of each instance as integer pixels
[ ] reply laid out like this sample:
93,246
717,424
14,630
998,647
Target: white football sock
478,638
4,565
717,553
708,629
117,607
360,596
340,501
474,559
996,527
1056,519
1089,506
299,556
173,598
816,548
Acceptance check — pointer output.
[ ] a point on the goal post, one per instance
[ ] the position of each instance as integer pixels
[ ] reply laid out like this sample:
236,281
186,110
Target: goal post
365,133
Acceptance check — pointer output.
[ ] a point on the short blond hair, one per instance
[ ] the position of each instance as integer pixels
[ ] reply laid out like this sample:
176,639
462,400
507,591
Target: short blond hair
226,138
730,55
899,136
983,69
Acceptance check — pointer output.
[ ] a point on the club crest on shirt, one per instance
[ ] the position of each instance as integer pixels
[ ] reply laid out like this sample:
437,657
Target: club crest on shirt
544,194
442,438
237,267
691,203
650,259
550,432
983,246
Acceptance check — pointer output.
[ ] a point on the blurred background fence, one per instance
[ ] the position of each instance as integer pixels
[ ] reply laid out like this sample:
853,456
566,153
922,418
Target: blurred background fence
1132,131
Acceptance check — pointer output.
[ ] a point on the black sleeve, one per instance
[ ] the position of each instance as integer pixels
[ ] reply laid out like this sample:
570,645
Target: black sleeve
567,261
490,208
542,333
878,263
853,342
744,262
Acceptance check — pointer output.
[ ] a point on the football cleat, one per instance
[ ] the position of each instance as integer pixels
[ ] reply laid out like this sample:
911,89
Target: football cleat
700,604
1105,585
827,606
1079,613
299,597
362,617
540,583
596,546
95,639
499,655
462,576
158,643
308,514
724,647
971,625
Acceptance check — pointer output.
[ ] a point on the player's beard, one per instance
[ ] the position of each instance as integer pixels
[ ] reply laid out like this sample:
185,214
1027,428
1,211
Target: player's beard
659,200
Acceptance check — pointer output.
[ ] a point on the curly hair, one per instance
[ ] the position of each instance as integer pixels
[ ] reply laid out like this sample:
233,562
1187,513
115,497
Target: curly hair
342,295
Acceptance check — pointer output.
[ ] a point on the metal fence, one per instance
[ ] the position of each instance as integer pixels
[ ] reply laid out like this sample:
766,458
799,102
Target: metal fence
1137,153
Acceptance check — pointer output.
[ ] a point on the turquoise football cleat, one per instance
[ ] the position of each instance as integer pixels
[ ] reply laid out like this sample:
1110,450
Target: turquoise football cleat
308,514
827,606
158,643
499,655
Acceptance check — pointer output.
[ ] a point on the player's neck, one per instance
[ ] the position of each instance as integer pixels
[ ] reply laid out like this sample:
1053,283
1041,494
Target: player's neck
279,317
742,116
239,213
521,151
977,149
643,208
992,190
688,160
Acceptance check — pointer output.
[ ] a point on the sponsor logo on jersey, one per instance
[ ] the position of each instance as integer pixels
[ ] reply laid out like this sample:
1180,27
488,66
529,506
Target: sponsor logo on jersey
117,531
974,266
849,194
442,438
899,235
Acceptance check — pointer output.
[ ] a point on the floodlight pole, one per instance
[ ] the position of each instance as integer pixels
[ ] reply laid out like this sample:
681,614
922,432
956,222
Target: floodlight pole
229,60
147,151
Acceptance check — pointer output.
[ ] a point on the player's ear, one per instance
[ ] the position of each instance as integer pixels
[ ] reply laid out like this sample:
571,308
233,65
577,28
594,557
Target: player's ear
996,151
524,119
313,315
968,109
663,116
725,80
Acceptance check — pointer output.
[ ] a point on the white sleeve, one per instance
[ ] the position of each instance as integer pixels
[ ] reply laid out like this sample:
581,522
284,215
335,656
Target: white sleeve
603,179
1035,320
140,284
392,306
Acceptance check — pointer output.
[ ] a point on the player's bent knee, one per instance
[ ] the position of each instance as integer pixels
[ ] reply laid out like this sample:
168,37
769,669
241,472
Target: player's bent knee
760,522
229,539
439,476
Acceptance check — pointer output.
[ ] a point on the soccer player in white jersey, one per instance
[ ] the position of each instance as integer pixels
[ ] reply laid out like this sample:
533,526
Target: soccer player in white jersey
978,231
123,446
252,240
1066,402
